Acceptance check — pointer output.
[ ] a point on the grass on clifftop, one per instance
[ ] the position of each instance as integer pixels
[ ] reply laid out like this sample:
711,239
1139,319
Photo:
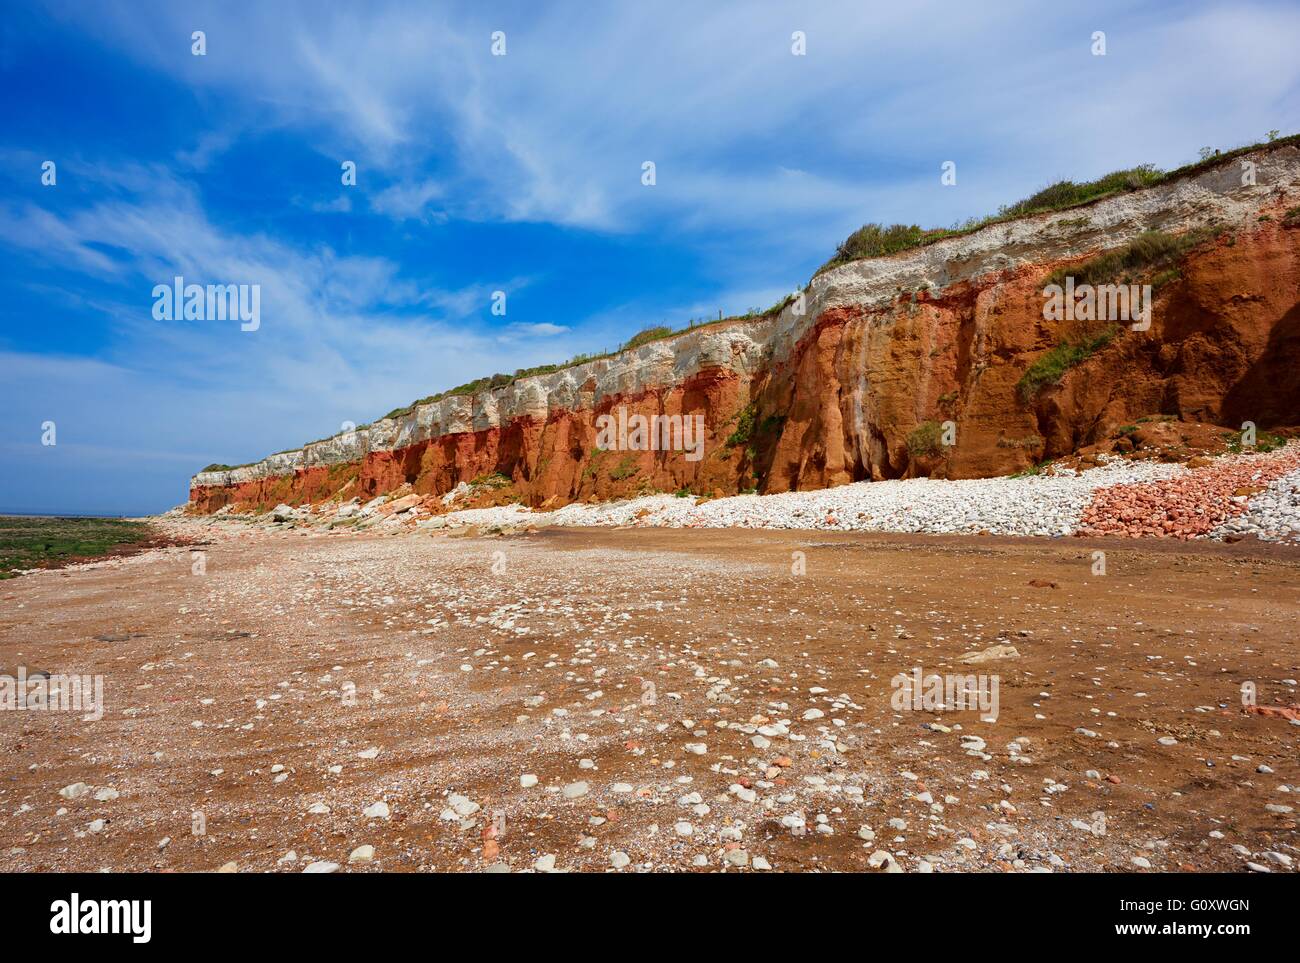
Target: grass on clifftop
643,337
46,542
878,240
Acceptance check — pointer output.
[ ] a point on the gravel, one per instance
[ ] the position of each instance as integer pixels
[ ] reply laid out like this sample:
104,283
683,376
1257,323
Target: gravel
1045,505
1194,504
1229,497
1273,514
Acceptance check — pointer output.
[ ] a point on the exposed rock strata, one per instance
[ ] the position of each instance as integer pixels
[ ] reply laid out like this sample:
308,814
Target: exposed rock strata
830,395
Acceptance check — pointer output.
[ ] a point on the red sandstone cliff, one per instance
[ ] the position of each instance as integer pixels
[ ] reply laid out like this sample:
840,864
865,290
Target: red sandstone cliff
887,352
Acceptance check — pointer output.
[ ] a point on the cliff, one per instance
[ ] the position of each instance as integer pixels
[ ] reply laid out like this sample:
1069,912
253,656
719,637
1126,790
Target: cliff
860,378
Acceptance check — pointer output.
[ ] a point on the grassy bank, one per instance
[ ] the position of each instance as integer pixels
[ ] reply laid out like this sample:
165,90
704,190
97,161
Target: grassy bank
49,542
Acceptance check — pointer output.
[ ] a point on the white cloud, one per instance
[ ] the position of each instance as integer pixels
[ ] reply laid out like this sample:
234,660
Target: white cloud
540,329
340,205
744,133
408,200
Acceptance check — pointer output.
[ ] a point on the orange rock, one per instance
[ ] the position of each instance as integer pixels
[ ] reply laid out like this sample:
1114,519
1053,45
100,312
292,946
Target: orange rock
1274,712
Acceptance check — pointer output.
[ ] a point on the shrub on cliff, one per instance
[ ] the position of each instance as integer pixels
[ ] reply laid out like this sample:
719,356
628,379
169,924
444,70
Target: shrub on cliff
645,336
877,240
746,421
924,441
1064,194
1052,366
1146,252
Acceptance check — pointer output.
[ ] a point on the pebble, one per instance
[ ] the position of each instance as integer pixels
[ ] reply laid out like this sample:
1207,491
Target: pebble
462,806
1046,504
881,858
1272,515
1200,502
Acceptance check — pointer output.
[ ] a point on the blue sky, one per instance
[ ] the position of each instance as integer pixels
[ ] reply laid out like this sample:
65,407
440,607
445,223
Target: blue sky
519,173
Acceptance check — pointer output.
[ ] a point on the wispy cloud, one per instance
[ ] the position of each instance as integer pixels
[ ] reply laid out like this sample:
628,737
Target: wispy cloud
542,329
409,200
744,132
532,161
342,338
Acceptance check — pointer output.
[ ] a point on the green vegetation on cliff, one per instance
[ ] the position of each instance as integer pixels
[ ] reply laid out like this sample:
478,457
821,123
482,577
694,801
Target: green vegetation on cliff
877,240
1148,251
1049,368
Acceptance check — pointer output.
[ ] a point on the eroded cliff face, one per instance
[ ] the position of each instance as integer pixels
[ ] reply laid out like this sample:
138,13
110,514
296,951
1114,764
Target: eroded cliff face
832,390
